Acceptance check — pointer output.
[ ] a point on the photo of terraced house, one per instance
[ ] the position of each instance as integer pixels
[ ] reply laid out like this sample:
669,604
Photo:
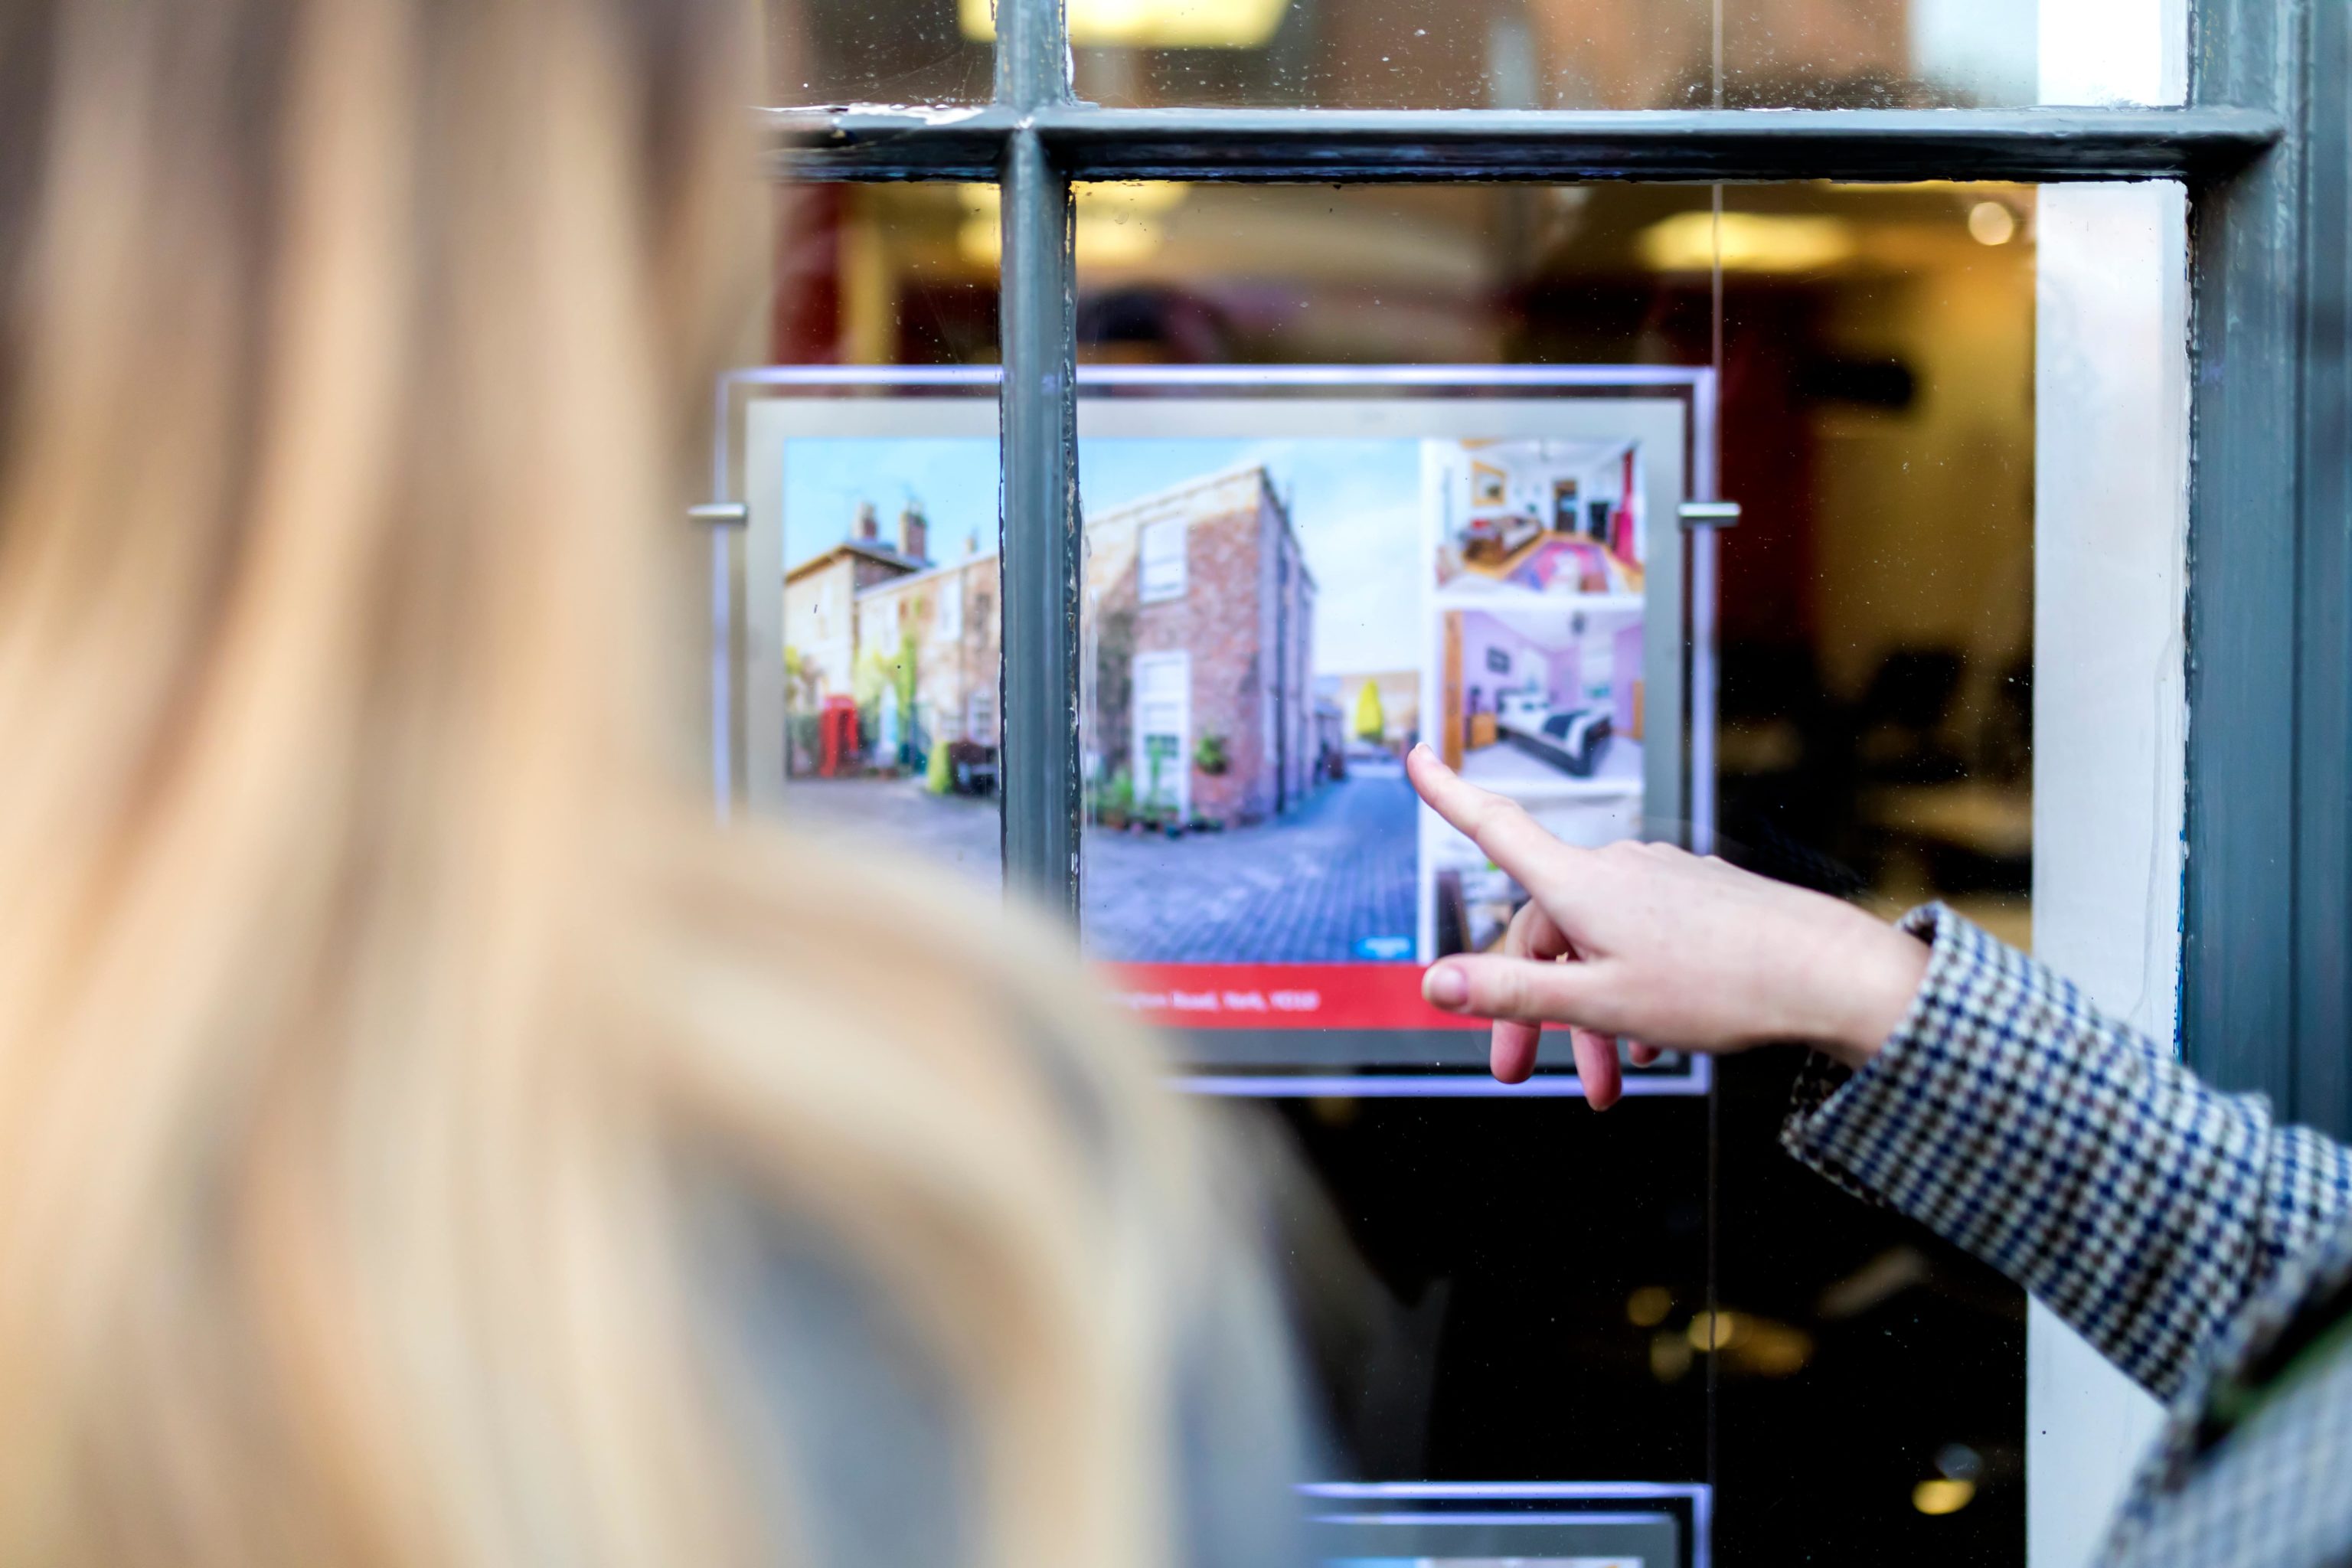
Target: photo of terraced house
1199,627
891,657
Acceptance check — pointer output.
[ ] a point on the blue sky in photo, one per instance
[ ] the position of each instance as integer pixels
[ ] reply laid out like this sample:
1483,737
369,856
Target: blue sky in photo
954,478
1356,505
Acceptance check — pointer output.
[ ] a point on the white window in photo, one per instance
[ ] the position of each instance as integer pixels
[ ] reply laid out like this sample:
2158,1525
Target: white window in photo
981,715
1161,557
949,623
1163,730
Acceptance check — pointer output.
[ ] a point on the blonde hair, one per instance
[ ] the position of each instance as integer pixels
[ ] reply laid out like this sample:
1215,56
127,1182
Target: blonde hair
374,1000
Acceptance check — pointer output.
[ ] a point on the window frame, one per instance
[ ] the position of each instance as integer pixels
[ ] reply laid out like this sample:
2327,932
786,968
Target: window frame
2263,145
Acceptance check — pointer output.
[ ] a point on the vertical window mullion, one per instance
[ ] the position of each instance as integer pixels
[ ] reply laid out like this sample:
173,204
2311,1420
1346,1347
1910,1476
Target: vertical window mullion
1040,784
2244,928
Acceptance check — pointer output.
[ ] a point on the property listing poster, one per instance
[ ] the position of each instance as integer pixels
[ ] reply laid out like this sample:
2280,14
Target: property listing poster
1269,626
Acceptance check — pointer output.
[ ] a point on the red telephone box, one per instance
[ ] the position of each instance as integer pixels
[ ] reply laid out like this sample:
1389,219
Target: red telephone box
837,737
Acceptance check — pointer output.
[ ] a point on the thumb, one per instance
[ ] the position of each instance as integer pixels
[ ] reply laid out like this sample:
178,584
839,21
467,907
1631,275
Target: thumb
1535,991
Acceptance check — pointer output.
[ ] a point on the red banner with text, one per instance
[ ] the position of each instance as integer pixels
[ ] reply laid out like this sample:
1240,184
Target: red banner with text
1279,996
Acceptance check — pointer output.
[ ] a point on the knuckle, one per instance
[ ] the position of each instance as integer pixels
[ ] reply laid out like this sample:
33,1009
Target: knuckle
1506,992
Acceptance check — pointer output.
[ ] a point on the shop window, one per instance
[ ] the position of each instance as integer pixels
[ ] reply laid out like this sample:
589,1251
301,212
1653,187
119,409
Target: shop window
1843,695
1874,404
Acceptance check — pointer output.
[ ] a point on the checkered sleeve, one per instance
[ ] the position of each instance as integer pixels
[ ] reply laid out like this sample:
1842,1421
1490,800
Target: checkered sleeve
2009,1116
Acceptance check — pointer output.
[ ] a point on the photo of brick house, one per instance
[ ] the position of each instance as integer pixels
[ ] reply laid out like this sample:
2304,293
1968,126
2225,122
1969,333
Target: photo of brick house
1236,811
1201,615
1201,620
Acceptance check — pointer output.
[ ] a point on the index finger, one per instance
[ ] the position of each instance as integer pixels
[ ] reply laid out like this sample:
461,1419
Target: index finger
1509,837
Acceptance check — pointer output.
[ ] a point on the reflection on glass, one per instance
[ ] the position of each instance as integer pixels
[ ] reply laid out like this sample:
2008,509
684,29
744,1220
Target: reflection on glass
1877,595
1552,54
1482,54
881,275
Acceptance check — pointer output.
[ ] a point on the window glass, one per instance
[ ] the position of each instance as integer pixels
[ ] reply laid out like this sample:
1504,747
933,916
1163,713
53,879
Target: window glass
1568,54
869,566
853,52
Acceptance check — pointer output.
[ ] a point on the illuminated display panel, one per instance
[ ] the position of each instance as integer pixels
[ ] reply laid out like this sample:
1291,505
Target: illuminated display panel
1291,576
1562,1524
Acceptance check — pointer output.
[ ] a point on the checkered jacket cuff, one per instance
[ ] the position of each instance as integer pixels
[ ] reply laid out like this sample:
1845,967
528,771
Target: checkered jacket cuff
2009,1116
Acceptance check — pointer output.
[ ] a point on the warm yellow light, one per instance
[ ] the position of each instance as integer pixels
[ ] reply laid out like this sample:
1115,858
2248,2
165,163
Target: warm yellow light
1115,225
1992,223
1751,1345
1942,1496
1670,1356
1750,242
1151,24
1715,1331
1647,1307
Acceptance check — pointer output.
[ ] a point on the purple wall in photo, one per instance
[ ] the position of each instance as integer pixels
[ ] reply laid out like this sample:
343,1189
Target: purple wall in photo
1556,669
1561,669
1567,676
1627,670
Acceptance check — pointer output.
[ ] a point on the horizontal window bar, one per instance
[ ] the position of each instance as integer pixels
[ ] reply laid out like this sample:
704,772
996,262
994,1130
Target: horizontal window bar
1449,145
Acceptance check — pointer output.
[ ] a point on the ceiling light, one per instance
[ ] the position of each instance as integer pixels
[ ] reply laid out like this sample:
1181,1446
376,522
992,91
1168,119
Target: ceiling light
1749,242
1647,1307
1942,1496
1113,225
1151,24
1992,223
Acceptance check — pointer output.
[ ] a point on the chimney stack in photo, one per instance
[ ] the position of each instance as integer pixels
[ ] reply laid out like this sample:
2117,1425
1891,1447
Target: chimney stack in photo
869,527
912,542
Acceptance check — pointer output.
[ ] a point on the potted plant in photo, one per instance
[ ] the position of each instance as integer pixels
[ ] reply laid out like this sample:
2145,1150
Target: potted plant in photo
1156,809
1209,755
1115,801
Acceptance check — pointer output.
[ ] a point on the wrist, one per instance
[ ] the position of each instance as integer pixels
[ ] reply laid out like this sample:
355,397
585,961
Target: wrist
1876,972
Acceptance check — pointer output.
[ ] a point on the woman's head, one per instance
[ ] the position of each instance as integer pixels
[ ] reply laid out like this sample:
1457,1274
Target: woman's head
370,1005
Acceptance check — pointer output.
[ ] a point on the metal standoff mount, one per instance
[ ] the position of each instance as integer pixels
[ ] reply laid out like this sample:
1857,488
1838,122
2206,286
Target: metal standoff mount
1709,513
720,513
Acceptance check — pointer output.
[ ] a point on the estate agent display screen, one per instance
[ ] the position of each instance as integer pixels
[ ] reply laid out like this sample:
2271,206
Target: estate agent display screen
1290,578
